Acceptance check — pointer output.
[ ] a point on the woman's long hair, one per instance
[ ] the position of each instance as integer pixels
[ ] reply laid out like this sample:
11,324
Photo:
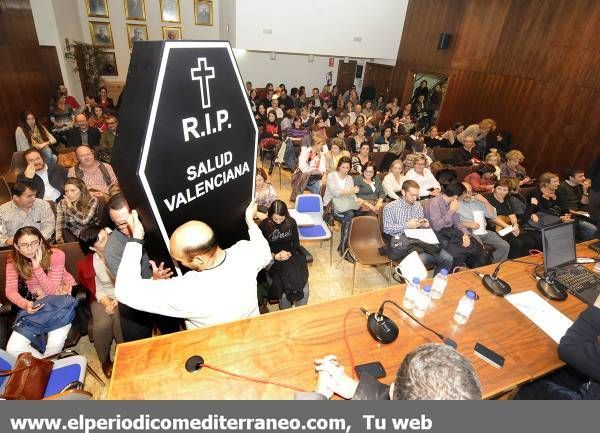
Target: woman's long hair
279,208
22,263
85,197
27,130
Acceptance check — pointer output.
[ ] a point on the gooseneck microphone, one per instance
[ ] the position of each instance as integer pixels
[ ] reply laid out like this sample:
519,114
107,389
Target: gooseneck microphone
384,330
494,284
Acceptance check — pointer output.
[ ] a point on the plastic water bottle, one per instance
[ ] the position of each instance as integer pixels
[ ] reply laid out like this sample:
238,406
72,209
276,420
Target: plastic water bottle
439,284
422,302
410,295
465,307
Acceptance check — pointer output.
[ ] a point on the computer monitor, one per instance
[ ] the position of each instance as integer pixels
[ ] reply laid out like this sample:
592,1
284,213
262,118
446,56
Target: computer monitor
559,245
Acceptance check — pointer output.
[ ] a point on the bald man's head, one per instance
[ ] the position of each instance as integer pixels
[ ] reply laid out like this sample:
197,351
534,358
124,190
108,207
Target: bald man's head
193,244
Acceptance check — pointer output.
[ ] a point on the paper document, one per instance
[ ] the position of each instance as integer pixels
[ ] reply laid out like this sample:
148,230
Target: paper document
411,267
545,316
479,218
425,235
302,219
505,231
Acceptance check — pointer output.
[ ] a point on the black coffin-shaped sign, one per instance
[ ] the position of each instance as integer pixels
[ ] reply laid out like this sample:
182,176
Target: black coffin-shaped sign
186,142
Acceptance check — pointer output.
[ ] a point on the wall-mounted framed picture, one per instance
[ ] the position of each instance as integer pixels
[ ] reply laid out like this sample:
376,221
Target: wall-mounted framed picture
101,33
135,10
97,8
108,65
169,11
136,33
203,12
171,33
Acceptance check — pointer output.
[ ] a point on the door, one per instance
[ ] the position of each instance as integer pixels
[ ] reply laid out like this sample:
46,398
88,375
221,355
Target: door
345,76
381,76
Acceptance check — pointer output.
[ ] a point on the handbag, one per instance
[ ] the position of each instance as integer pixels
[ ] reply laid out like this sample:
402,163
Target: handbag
67,158
28,379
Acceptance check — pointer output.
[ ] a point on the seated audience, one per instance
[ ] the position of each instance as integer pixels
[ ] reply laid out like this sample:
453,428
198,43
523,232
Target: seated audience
275,107
271,134
24,210
573,198
362,158
513,168
296,132
62,116
407,213
370,190
48,179
434,139
384,141
336,151
428,184
479,133
265,194
342,192
76,211
97,176
105,101
463,156
454,237
32,134
311,163
521,241
452,133
358,139
94,274
62,90
432,371
288,271
470,203
445,176
261,115
135,324
494,160
90,103
107,139
483,179
42,269
197,296
392,182
97,119
83,134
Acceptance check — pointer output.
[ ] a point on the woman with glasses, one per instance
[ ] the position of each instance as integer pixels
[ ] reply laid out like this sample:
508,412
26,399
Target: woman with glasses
428,184
94,274
35,270
370,190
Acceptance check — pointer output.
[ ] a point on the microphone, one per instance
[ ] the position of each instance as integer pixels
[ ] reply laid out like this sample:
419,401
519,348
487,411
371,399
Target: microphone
384,330
496,285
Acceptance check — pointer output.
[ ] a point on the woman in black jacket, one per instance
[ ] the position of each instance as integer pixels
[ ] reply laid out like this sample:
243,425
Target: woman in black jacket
289,271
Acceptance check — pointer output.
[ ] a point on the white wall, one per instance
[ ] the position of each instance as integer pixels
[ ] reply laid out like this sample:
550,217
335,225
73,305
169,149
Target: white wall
322,27
293,70
154,25
54,21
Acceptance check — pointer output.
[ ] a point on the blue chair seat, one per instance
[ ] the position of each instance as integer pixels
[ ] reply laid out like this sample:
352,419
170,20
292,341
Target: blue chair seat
312,231
61,377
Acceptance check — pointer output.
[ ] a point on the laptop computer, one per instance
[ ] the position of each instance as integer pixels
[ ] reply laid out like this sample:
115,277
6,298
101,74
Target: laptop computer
560,264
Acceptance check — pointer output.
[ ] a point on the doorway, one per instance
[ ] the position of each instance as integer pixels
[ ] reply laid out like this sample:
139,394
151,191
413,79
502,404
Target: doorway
381,76
345,76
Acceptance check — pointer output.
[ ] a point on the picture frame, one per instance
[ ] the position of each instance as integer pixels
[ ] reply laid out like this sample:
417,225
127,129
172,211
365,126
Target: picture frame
170,11
97,8
171,33
108,66
101,33
136,32
135,10
203,12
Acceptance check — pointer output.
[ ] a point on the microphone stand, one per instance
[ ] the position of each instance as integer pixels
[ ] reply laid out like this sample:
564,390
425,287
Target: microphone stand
498,286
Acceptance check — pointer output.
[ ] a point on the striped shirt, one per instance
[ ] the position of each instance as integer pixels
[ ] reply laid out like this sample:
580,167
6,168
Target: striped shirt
93,178
12,218
398,213
40,283
73,219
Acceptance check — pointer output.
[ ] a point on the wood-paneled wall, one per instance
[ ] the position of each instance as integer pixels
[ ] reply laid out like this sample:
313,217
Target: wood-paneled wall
532,65
29,73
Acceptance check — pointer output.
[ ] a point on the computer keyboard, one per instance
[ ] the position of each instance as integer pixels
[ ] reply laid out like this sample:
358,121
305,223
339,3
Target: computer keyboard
577,278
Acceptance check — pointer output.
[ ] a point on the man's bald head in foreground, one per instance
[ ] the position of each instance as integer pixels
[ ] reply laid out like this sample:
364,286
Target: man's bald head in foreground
194,245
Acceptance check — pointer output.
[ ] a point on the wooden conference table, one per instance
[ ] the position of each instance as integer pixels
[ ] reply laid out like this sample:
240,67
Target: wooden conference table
282,346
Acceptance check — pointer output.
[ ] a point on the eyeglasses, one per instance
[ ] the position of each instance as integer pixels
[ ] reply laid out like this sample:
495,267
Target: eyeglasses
24,245
122,225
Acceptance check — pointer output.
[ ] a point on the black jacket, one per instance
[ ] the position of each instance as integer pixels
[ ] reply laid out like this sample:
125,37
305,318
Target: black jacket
580,348
74,137
57,175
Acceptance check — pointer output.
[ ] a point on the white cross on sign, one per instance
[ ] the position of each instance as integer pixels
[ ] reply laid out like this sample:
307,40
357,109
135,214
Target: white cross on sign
203,73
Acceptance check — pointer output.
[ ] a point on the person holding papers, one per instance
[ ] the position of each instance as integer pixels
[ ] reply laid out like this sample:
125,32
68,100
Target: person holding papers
520,241
407,213
442,213
220,286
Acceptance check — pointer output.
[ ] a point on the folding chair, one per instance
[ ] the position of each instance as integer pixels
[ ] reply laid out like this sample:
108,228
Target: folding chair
312,206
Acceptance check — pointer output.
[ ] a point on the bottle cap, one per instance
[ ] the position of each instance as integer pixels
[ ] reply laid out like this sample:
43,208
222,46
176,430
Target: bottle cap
444,272
471,294
427,289
416,280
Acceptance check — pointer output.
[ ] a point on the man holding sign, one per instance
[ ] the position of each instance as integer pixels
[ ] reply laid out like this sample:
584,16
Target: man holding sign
220,286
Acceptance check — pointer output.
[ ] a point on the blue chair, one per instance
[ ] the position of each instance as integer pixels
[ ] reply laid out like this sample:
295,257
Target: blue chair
311,205
66,371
